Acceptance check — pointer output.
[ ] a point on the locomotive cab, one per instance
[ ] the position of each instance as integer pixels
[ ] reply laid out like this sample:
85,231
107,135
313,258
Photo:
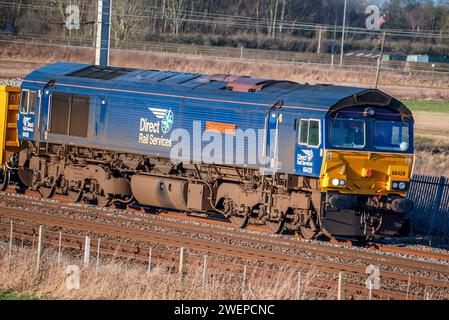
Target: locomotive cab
366,170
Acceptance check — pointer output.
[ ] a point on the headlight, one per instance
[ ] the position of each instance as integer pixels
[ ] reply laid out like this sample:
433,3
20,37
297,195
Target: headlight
338,183
400,186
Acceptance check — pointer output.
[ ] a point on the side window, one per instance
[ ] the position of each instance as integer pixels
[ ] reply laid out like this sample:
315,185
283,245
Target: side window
69,114
28,102
309,133
32,102
304,132
314,133
24,102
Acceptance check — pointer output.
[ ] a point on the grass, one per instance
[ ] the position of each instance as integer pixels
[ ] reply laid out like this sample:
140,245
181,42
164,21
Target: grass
429,106
13,296
126,279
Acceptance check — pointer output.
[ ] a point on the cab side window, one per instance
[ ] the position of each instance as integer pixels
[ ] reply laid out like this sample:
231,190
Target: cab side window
32,102
309,133
28,102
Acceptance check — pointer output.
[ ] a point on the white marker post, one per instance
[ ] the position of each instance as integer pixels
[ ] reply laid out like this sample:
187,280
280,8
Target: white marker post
86,252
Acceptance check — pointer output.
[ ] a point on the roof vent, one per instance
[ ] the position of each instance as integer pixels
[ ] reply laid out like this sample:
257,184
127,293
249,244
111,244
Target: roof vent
245,84
100,72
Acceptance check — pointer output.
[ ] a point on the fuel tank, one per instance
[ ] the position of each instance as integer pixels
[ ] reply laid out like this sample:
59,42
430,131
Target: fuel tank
160,192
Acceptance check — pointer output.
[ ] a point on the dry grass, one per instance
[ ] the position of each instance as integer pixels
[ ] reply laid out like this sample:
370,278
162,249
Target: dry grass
433,125
404,87
127,280
432,143
432,163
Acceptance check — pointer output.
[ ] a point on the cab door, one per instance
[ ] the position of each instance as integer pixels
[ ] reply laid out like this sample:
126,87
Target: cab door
29,101
309,152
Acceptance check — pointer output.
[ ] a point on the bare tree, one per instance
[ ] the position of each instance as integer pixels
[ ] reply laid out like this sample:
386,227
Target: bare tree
272,12
175,14
126,19
281,25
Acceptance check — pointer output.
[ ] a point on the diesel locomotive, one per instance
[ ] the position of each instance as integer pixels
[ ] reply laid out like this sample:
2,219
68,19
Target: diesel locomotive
322,160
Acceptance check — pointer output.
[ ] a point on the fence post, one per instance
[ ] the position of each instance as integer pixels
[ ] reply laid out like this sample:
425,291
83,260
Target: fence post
86,252
341,286
244,281
370,290
436,205
298,286
40,247
182,258
203,278
149,259
98,255
59,247
10,246
408,286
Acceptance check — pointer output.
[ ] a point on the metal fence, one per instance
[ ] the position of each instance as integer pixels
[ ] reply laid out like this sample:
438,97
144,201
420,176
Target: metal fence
431,198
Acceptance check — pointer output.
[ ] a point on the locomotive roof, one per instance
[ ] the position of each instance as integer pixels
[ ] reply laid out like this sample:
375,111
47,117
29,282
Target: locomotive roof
247,91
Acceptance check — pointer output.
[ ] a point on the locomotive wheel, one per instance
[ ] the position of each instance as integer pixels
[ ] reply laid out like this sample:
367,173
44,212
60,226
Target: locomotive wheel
47,192
75,196
240,222
4,179
308,233
274,227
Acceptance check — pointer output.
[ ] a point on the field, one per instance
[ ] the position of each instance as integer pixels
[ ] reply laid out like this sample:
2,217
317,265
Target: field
431,137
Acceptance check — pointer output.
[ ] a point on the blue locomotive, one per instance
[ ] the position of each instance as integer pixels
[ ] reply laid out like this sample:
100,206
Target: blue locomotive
317,159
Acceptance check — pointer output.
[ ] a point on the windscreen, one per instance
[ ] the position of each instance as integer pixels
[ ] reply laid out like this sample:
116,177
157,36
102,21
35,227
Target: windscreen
391,136
348,133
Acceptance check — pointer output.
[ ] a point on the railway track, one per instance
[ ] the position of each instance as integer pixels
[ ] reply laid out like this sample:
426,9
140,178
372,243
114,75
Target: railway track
208,223
120,228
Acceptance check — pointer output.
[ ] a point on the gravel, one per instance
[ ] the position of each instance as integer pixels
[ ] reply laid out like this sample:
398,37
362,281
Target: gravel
17,82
